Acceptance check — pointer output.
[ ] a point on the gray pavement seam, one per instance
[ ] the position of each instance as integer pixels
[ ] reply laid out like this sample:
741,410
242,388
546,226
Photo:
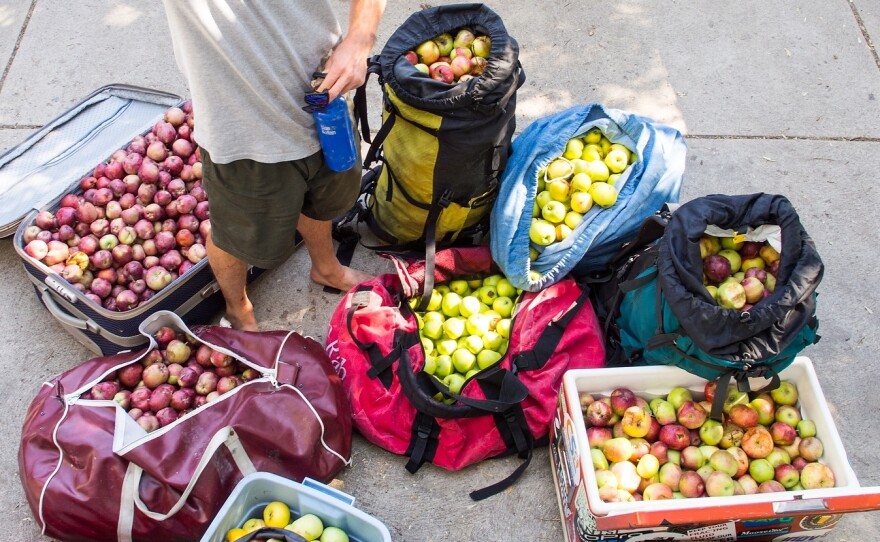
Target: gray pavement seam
21,32
864,30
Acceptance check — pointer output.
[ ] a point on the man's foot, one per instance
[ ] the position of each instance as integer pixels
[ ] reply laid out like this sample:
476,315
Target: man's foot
344,278
244,320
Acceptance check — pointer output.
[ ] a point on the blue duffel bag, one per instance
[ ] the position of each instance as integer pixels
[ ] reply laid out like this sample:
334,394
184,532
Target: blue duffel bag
653,179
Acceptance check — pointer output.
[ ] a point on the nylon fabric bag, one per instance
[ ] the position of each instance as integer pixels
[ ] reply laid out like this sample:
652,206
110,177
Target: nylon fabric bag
442,147
653,179
656,310
92,474
506,408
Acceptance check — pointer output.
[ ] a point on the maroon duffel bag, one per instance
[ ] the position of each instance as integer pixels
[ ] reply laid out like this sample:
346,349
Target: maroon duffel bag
92,473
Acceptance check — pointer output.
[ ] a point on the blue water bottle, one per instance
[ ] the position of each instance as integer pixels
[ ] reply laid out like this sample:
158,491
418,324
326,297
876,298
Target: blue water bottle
336,134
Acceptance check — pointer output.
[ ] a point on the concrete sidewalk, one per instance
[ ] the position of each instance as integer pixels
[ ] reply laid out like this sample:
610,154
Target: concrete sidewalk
771,96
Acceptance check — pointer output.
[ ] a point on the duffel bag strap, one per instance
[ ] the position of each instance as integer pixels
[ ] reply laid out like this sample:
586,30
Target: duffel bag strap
131,498
423,442
512,424
501,383
547,342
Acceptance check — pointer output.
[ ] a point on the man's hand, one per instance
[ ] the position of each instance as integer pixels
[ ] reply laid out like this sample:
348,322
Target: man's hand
346,68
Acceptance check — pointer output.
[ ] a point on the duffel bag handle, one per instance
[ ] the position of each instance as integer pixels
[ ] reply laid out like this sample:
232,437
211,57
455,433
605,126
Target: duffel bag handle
131,483
271,532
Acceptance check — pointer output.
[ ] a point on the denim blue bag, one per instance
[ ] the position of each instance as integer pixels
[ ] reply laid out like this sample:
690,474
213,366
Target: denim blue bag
651,181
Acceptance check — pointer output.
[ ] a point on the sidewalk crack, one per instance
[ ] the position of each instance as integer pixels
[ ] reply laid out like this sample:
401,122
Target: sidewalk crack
21,32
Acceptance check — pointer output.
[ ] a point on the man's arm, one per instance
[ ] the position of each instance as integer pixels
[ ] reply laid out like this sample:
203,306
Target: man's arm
347,67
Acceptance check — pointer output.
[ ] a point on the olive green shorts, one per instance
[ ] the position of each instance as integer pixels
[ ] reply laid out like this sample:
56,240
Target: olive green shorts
255,206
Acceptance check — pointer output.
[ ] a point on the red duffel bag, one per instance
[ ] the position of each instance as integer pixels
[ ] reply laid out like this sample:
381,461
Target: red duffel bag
373,341
91,473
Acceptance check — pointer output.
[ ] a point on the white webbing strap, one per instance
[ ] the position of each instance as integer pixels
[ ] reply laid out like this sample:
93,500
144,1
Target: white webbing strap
130,496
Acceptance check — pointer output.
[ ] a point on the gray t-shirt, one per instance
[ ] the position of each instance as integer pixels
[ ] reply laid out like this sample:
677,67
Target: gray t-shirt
248,65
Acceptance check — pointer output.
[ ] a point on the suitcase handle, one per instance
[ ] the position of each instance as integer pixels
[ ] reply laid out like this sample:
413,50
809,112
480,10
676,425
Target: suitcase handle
62,316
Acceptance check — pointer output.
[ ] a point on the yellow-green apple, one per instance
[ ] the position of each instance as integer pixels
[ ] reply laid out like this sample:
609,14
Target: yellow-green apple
761,470
604,195
581,202
731,295
732,256
709,245
788,414
459,286
559,190
573,148
725,462
778,456
451,304
692,458
787,475
618,449
597,171
422,67
505,288
559,169
463,38
486,358
647,466
616,160
664,412
593,135
769,254
443,366
670,474
487,293
454,327
482,46
277,514
733,435
628,478
766,408
454,381
785,394
657,492
635,421
474,344
592,153
817,476
543,197
470,305
711,432
477,324
578,166
678,395
444,43
752,263
806,428
581,182
503,306
573,218
430,366
719,484
463,360
428,52
732,243
542,233
598,459
502,327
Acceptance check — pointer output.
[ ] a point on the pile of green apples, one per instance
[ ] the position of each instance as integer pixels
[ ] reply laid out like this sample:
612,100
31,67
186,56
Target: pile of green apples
451,59
738,273
465,328
583,176
667,447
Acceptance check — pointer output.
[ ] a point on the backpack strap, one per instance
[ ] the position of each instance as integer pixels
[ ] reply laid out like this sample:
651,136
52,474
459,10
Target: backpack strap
424,441
547,342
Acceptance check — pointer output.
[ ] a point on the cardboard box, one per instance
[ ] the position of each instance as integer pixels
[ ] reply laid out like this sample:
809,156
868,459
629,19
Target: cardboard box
334,507
792,515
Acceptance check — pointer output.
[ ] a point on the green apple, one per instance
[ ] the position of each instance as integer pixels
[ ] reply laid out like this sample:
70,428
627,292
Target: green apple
430,365
460,287
559,169
427,345
562,231
487,358
436,299
333,534
503,306
422,67
492,280
711,432
454,382
533,252
598,171
535,276
554,212
451,304
573,148
491,340
431,316
731,243
444,43
308,526
445,347
593,135
463,360
474,283
477,324
487,294
542,233
443,366
613,178
433,329
442,288
605,143
581,202
678,395
604,195
474,344
470,305
616,160
454,327
578,166
503,327
505,288
542,198
573,218
592,153
581,181
559,190
428,53
472,372
622,148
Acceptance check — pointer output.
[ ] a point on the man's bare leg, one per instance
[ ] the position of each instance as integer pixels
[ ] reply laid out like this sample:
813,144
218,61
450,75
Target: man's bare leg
326,269
231,275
